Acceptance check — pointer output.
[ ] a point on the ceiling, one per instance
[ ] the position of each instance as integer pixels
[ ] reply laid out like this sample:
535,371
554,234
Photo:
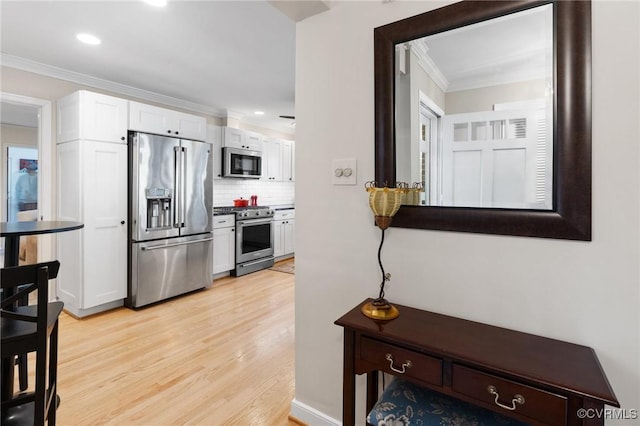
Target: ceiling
224,58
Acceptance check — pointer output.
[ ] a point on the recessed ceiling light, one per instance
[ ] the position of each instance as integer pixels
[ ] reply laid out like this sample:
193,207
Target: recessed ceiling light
156,3
259,112
88,39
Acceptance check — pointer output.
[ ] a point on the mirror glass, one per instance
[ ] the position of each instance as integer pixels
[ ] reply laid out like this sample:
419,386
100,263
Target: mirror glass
474,114
499,164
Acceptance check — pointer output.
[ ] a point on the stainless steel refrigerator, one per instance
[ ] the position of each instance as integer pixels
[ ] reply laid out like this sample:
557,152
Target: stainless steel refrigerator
170,204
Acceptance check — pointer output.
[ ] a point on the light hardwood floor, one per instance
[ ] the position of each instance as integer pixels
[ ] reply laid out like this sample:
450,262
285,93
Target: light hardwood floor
222,356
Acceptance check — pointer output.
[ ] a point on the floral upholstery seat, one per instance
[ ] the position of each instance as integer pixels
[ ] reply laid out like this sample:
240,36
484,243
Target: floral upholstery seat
404,403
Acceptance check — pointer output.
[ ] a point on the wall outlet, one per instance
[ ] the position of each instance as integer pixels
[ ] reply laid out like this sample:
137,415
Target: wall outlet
344,171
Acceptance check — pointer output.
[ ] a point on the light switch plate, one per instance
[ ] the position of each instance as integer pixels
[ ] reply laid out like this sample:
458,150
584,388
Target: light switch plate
344,171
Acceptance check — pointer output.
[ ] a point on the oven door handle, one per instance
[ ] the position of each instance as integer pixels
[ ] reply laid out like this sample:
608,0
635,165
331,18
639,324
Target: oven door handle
254,221
246,264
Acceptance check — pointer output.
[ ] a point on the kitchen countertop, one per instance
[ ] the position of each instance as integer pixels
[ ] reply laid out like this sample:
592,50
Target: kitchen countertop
274,207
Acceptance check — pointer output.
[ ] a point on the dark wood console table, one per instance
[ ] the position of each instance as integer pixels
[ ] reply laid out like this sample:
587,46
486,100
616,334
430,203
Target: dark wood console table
557,380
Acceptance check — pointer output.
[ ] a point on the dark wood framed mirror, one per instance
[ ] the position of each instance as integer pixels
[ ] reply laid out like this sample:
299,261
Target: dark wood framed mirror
569,216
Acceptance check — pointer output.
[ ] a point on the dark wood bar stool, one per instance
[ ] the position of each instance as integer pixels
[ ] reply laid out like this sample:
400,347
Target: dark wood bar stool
27,329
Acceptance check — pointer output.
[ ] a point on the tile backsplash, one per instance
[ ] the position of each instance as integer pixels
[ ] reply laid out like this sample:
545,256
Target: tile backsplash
269,193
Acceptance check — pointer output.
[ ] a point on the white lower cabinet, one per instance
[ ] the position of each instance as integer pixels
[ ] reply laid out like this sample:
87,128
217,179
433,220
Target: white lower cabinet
284,226
224,243
92,189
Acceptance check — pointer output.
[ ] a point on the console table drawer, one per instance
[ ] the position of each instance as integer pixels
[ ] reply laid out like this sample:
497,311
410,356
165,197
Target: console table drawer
399,361
514,397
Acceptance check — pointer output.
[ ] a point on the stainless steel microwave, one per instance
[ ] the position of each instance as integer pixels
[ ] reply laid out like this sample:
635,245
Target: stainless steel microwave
241,163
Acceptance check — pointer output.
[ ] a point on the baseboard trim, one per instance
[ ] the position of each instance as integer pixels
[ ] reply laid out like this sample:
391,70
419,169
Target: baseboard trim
311,416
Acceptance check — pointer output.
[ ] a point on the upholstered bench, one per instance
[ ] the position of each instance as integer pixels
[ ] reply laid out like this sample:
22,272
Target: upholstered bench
405,403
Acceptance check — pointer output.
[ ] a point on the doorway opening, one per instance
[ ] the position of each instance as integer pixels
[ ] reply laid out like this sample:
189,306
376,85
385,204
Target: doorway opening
26,162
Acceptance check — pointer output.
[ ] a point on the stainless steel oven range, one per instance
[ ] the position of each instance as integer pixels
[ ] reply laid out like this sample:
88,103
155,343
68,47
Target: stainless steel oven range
254,238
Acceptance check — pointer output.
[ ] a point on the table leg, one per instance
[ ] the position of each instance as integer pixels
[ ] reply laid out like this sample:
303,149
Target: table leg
349,380
372,389
11,258
11,251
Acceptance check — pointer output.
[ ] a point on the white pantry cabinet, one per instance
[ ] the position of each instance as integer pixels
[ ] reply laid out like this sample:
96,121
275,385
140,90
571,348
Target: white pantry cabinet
284,226
224,243
162,121
241,139
88,115
92,189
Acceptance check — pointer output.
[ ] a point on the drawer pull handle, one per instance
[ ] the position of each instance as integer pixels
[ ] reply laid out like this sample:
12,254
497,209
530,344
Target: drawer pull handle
405,365
517,399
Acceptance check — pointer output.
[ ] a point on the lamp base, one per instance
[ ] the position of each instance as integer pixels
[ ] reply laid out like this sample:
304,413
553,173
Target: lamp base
380,309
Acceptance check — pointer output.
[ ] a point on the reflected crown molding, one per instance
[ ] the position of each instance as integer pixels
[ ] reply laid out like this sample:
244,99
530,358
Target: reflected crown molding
421,50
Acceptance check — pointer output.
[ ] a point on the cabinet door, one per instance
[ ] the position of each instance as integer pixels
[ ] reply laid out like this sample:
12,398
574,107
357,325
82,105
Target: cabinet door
92,116
214,137
278,240
233,138
149,118
105,230
288,161
188,126
69,244
271,160
288,238
224,246
103,118
253,141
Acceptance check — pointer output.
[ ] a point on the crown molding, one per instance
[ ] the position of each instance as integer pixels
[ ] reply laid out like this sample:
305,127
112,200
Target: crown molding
132,92
75,77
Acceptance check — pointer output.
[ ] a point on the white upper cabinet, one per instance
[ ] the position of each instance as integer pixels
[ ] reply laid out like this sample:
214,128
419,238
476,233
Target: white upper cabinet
214,137
162,121
91,116
241,139
272,159
288,161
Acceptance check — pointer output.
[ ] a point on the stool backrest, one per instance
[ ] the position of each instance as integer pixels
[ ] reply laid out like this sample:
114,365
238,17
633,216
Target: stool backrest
18,281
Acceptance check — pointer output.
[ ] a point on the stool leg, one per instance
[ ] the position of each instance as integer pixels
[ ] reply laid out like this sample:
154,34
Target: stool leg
23,372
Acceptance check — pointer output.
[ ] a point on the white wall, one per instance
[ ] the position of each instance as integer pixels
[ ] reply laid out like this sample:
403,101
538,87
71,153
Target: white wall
582,292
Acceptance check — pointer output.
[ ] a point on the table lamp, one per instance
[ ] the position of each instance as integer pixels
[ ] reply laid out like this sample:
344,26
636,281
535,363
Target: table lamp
384,203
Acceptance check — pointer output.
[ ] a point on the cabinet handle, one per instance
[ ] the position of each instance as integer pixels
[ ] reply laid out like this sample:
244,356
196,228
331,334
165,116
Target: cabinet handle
169,131
122,222
405,365
177,132
517,399
122,138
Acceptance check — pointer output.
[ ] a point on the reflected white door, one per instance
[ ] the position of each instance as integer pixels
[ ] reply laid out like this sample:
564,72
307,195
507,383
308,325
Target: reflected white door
496,159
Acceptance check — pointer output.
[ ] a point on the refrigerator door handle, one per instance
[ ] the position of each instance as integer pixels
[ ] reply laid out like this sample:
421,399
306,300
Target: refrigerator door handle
183,189
175,244
177,185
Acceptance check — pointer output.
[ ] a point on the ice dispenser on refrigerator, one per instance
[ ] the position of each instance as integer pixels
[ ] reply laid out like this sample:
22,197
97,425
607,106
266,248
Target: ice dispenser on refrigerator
158,208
